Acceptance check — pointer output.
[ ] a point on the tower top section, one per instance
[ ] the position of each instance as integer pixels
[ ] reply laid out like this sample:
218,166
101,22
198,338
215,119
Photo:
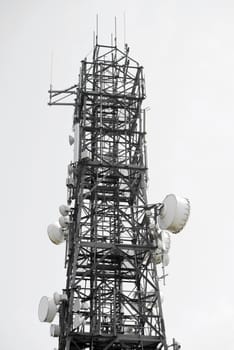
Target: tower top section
111,73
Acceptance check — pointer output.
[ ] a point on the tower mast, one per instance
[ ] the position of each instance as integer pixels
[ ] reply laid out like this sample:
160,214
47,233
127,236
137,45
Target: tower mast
113,240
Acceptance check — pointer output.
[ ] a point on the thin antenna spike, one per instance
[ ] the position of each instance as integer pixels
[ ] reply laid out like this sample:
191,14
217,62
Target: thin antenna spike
111,39
115,31
124,19
51,68
96,29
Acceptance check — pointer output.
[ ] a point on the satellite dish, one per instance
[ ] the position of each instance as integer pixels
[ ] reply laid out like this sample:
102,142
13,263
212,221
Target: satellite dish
174,213
54,330
64,210
47,309
78,321
71,140
59,297
77,305
55,233
64,221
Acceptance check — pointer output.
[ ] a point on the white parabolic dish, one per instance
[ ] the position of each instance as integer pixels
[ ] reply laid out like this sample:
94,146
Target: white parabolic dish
47,309
64,209
64,221
55,233
174,214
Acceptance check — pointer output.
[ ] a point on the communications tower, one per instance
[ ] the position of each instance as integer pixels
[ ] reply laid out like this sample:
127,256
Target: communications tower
114,238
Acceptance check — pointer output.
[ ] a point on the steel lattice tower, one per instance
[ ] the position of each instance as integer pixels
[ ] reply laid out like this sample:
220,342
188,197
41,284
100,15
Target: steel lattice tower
112,289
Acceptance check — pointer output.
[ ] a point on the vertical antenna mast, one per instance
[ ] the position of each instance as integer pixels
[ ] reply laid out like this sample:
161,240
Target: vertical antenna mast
115,240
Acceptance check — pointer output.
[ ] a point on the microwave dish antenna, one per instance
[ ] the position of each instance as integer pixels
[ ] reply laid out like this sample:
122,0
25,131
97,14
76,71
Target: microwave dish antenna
174,214
47,309
64,210
55,233
64,221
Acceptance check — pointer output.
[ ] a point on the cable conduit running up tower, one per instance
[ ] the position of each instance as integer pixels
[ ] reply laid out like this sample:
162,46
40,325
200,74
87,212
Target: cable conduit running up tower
114,238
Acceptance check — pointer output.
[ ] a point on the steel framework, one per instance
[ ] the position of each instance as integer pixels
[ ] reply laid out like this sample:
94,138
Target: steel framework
112,284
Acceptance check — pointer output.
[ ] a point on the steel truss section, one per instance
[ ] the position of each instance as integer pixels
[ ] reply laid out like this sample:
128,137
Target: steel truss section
112,284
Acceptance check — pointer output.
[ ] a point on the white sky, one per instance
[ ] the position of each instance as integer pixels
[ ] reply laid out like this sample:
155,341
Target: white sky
187,49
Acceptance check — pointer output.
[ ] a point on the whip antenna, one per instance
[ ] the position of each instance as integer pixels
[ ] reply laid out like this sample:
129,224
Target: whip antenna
96,29
51,68
115,31
124,19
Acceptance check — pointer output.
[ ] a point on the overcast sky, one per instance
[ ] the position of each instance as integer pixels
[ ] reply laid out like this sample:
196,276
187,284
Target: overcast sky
187,50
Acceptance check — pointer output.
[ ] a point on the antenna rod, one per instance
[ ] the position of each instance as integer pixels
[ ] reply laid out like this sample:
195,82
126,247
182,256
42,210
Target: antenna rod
51,68
96,29
111,39
124,15
115,31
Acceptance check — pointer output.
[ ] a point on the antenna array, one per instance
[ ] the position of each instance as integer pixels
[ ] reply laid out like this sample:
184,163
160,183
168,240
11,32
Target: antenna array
114,239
